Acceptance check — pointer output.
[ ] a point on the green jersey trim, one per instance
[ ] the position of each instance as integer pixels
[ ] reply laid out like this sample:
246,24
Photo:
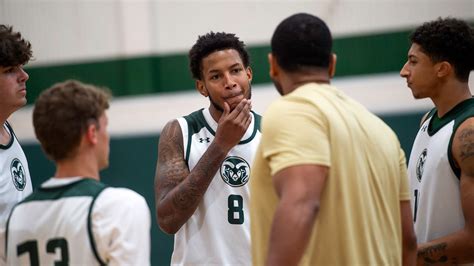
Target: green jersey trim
437,123
196,121
256,127
467,112
81,188
12,137
89,230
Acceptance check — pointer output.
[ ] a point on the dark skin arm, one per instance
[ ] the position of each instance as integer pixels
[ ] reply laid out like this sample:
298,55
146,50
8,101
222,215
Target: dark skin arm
179,191
458,247
408,234
299,189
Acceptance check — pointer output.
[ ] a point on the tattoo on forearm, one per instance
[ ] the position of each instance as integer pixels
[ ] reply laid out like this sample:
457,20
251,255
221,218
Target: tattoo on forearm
466,139
187,195
195,186
434,254
173,173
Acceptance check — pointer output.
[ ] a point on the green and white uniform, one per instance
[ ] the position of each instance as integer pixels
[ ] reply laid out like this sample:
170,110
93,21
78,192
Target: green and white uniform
79,221
434,176
218,233
15,181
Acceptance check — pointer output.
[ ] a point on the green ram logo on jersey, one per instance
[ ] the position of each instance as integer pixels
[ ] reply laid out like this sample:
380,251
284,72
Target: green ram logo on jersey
18,174
235,171
420,165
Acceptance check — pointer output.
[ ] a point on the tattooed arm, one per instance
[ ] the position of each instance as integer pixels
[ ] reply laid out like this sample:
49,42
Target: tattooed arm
179,191
457,248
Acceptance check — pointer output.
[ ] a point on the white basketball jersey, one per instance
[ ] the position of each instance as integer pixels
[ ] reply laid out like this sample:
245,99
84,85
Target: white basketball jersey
15,181
218,233
434,177
61,231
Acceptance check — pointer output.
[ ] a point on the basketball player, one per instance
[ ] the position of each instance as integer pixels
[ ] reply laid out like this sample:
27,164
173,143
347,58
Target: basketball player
15,182
204,158
73,218
441,165
329,183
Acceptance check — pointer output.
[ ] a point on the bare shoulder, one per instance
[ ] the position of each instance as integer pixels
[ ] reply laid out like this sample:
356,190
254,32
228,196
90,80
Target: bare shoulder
171,166
463,147
171,134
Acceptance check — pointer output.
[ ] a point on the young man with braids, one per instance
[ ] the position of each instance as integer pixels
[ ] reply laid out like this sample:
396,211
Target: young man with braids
441,165
204,158
15,181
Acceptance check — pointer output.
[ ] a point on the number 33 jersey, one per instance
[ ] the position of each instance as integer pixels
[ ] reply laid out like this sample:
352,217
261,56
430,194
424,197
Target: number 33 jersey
218,233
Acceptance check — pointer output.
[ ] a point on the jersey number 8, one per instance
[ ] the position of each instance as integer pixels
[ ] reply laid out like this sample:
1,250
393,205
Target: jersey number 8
235,213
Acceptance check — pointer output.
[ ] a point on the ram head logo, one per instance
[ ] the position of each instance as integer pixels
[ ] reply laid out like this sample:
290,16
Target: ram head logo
18,174
235,171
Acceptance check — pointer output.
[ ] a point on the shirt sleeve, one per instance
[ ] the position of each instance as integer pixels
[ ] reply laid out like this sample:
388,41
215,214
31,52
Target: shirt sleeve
121,227
404,188
294,133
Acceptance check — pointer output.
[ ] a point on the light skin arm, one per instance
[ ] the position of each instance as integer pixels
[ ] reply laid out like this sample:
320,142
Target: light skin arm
179,191
458,247
299,189
408,234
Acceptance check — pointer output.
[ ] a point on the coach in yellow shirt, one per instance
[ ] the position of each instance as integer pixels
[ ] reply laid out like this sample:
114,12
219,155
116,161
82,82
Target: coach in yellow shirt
329,183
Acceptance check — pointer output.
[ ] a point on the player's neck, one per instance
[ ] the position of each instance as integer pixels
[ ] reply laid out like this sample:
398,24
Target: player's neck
5,137
3,117
293,81
77,166
451,95
215,113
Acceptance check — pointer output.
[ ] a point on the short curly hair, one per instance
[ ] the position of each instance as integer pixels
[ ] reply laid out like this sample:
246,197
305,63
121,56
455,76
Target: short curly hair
63,113
213,42
448,39
14,50
302,41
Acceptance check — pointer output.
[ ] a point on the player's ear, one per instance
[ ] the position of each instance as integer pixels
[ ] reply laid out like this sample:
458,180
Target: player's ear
332,65
91,133
249,73
443,69
274,69
201,87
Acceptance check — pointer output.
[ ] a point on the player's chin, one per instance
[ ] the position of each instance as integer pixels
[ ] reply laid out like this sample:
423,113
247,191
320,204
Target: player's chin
418,95
234,101
104,164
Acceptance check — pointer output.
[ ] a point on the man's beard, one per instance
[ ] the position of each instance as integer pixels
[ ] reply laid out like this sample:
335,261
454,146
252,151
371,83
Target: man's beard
220,108
278,87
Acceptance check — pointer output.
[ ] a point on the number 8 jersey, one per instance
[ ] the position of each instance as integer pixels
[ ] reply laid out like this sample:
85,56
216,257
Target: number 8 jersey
218,233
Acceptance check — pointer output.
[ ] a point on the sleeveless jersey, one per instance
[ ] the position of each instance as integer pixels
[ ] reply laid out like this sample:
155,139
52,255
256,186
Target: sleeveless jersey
79,221
434,176
15,181
218,233
47,241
